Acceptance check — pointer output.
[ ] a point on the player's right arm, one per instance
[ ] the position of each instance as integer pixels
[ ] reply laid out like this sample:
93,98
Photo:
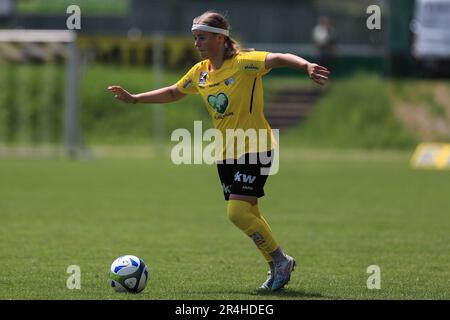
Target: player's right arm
163,95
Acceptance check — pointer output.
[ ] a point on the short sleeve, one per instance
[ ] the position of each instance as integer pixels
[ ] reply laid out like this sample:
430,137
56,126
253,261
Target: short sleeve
186,84
254,62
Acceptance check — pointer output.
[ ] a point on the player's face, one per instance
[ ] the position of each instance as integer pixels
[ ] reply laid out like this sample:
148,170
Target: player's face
208,44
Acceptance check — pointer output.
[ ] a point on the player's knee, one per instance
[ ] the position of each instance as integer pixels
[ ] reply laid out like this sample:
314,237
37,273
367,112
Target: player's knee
237,211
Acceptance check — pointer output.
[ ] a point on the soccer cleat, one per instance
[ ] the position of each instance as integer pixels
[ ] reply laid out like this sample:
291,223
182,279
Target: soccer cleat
283,273
269,281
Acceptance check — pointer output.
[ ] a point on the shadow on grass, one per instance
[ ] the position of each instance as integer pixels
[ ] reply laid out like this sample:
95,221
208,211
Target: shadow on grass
267,294
288,293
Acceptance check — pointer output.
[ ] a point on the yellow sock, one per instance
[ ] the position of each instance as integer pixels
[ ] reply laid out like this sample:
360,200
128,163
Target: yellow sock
257,213
239,212
255,210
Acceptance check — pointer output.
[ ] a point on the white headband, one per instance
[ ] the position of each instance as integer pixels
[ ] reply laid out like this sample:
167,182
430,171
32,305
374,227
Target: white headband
204,27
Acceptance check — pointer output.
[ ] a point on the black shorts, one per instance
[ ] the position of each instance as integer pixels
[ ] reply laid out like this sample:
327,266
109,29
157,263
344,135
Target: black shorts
244,176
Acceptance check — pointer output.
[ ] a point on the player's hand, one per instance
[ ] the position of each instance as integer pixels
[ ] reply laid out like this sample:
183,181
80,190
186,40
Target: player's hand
122,94
318,73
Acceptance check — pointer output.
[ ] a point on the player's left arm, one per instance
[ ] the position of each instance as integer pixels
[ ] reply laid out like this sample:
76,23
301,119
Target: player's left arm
316,72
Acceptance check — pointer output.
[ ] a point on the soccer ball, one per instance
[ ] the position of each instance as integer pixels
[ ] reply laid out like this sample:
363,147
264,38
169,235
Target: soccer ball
128,274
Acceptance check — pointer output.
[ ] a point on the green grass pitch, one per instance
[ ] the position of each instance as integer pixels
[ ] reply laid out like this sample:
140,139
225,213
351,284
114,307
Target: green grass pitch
336,212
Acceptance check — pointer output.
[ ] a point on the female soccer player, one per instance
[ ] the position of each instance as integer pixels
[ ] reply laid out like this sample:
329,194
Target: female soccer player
230,82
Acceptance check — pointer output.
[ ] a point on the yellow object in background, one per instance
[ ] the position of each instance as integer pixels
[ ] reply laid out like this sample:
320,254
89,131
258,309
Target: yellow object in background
431,155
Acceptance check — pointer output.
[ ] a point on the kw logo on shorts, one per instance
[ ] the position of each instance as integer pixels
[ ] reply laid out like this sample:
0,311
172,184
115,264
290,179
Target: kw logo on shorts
240,177
226,189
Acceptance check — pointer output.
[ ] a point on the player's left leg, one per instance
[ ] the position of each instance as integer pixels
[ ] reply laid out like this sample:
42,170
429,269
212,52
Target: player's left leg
267,284
239,212
285,266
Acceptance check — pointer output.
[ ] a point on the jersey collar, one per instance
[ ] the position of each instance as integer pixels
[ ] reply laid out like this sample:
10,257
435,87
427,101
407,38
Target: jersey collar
226,64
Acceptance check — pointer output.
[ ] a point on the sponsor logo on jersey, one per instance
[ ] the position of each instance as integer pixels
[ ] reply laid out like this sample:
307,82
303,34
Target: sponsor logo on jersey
187,83
219,102
202,79
229,81
223,116
251,67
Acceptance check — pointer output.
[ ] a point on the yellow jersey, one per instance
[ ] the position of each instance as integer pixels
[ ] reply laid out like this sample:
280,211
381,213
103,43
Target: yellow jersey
234,98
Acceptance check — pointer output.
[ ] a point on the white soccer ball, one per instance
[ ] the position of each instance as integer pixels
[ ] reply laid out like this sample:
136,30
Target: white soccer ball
128,274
